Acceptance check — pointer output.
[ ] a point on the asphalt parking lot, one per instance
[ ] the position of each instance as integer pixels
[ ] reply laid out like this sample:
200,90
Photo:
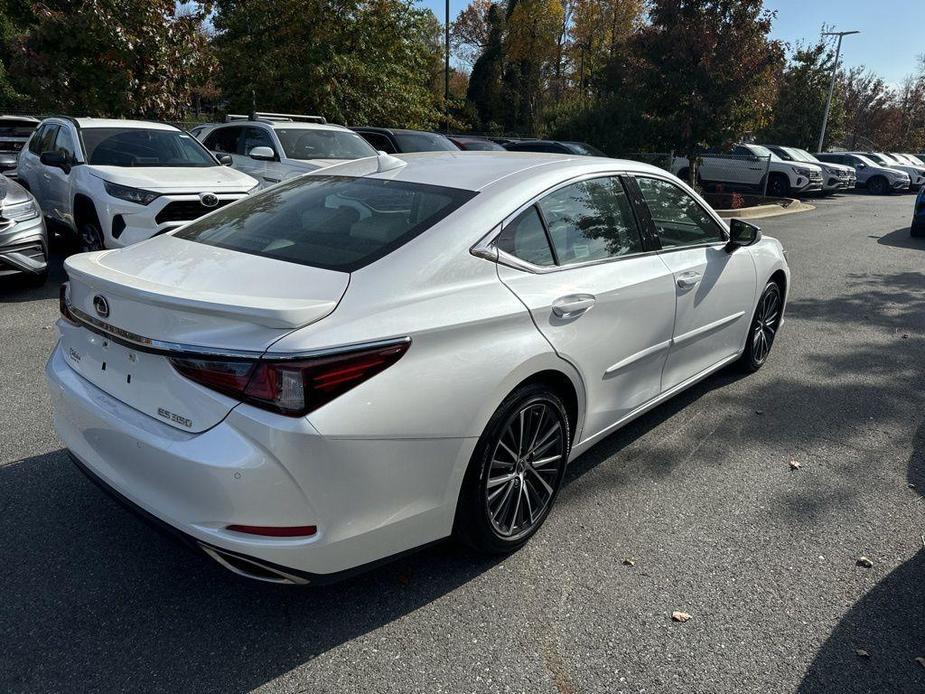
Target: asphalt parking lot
699,495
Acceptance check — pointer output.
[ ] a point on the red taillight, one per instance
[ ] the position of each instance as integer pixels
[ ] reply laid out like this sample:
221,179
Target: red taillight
291,387
63,304
275,531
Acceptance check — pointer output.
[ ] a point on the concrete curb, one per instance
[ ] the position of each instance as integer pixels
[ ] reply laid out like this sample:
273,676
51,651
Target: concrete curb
760,211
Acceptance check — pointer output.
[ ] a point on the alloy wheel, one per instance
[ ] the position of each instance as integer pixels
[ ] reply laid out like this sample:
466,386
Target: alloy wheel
764,328
525,469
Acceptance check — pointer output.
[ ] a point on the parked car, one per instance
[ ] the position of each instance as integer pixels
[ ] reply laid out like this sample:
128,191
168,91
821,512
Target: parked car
400,141
275,147
745,165
360,361
835,176
878,179
200,131
918,215
473,143
23,240
14,133
554,147
916,173
909,159
117,182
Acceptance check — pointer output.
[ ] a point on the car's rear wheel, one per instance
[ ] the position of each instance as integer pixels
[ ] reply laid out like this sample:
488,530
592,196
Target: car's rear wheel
878,185
917,230
515,472
763,329
89,237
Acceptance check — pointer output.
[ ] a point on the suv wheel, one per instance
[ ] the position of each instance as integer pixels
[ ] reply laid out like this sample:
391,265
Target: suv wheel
878,185
778,185
515,472
89,237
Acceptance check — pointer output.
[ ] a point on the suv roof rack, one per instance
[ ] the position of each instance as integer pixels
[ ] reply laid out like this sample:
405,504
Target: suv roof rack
275,117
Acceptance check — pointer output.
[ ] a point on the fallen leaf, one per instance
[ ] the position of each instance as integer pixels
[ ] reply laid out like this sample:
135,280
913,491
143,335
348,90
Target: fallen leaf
911,485
680,616
905,337
865,562
629,562
862,653
759,411
794,465
921,661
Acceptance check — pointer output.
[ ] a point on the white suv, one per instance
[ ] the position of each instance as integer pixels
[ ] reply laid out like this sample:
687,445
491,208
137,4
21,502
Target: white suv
273,147
117,182
746,165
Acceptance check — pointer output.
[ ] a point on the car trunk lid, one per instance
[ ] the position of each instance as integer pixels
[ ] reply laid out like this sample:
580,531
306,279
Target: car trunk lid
169,292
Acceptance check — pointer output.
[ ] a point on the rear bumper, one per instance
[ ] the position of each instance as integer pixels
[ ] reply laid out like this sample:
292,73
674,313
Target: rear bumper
370,499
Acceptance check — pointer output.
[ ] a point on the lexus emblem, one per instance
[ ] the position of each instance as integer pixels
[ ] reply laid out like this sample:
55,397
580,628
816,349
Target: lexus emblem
101,306
208,199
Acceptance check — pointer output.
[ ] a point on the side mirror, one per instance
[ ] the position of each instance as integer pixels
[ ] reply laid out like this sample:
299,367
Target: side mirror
860,165
742,234
262,154
225,159
55,159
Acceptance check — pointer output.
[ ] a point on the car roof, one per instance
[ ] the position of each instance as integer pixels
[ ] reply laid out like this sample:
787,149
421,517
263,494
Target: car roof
478,170
30,119
120,123
376,129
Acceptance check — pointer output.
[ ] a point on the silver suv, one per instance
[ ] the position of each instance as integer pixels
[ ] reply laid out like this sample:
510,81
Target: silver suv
14,133
273,147
23,240
878,179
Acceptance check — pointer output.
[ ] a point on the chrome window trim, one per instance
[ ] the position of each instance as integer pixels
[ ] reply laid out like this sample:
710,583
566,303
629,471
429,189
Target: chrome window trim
179,349
486,249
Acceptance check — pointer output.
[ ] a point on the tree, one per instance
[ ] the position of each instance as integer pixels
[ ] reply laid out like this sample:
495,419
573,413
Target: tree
800,105
710,74
600,29
484,89
353,61
111,57
470,34
867,107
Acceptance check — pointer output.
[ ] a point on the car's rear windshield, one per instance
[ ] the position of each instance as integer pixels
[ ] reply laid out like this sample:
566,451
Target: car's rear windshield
16,128
315,143
143,147
424,142
332,222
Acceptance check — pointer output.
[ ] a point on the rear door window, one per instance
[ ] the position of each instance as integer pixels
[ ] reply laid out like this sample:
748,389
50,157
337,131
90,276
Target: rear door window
224,140
590,220
333,222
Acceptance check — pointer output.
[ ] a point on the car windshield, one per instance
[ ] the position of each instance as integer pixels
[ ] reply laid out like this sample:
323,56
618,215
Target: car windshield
881,159
16,128
318,143
915,160
332,222
482,145
141,147
865,160
761,151
802,155
584,149
424,142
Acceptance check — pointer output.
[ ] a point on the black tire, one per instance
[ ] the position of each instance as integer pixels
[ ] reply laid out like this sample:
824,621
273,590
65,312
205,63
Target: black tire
763,328
878,185
500,482
89,237
778,186
917,230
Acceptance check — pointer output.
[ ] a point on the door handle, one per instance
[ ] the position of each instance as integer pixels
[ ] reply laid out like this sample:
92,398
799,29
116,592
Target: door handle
572,305
686,280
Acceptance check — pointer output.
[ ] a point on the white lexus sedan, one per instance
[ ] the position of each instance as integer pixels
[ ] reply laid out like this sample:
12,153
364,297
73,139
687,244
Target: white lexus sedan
360,361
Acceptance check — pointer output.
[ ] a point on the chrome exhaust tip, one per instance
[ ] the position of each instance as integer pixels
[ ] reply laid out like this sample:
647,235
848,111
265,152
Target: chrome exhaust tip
251,568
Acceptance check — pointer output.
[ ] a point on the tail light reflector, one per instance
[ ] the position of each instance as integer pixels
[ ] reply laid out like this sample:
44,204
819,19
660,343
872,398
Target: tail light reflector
292,388
275,531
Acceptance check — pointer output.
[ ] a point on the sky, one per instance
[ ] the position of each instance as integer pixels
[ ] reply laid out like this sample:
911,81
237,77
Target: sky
892,31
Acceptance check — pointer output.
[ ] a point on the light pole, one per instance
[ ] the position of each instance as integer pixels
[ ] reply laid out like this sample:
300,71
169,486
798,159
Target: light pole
828,101
446,70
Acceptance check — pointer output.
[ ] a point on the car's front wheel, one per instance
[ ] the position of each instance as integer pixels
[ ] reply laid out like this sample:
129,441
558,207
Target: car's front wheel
878,185
763,329
778,186
89,237
515,472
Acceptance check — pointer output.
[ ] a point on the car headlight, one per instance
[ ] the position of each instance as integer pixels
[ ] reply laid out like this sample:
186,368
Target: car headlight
800,171
21,211
136,195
